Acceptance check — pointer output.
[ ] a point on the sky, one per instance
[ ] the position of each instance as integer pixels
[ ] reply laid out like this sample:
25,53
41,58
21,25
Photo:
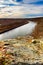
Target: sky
21,8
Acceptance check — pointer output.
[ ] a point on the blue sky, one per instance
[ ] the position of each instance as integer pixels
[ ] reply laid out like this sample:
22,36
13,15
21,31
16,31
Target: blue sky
37,3
21,8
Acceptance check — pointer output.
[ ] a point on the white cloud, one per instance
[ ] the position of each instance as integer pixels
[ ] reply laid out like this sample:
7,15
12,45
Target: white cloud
8,2
15,2
21,11
2,6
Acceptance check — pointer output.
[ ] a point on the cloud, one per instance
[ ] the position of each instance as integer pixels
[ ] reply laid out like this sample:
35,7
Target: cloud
4,2
22,10
17,1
